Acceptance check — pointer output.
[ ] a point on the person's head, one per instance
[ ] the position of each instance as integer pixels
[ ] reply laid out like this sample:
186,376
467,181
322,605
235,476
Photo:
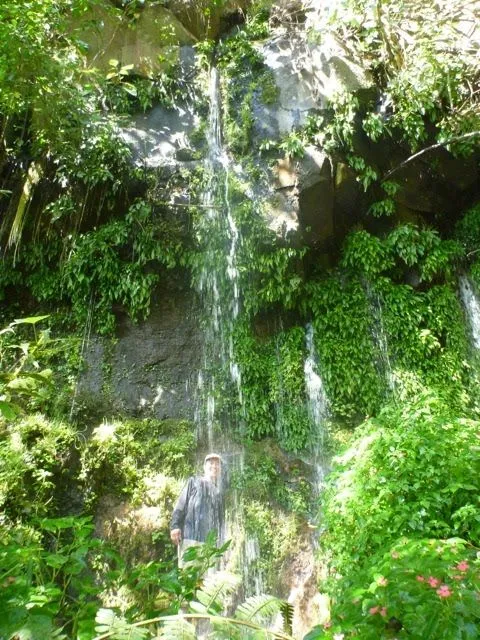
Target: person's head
212,467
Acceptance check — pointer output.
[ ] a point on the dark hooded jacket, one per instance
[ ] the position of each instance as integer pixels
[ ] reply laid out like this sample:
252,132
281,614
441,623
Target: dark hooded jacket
199,510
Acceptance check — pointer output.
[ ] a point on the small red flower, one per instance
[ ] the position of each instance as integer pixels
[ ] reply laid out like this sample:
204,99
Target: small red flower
383,611
444,591
420,579
462,566
433,582
373,610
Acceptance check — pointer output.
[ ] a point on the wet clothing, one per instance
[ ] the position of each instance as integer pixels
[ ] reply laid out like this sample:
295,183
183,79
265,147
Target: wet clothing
199,510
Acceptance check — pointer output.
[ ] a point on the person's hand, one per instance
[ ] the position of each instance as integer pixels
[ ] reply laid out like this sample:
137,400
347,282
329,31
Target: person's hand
176,536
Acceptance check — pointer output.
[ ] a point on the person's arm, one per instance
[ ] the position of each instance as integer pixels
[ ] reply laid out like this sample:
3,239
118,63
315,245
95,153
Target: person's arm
178,515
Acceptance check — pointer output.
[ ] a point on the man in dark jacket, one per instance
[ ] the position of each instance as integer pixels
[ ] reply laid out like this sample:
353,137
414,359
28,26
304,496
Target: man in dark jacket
199,508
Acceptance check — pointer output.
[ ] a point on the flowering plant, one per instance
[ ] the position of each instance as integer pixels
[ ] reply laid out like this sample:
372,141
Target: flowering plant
423,589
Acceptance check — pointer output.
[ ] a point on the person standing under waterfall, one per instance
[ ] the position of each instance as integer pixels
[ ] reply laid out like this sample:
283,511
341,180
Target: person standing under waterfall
199,508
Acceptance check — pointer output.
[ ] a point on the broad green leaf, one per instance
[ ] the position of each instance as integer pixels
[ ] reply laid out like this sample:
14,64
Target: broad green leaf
30,320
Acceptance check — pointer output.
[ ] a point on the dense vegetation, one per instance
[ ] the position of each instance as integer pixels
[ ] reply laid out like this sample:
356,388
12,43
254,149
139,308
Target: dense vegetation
87,234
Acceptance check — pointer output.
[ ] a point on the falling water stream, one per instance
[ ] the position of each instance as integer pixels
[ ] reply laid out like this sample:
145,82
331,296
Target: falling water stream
472,308
380,339
218,286
317,406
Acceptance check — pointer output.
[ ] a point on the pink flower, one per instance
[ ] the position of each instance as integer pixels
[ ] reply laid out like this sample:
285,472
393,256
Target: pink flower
373,610
444,591
462,566
382,581
327,624
383,611
433,582
420,579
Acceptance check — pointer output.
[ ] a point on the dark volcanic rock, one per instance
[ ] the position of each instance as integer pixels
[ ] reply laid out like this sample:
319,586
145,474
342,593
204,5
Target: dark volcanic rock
150,370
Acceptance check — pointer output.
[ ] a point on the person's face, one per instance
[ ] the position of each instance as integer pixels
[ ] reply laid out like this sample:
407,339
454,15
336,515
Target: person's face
212,469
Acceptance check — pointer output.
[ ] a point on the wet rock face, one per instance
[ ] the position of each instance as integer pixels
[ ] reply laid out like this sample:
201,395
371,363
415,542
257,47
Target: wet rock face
150,370
308,76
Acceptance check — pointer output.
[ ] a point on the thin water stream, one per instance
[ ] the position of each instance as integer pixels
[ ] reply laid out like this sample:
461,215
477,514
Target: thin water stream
471,303
219,290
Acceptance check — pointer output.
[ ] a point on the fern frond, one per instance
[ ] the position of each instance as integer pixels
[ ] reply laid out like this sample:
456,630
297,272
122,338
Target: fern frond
178,629
287,611
216,588
259,609
107,621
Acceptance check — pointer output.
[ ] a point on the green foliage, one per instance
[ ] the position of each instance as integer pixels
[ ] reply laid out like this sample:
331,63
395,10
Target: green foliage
269,477
23,382
121,454
346,350
467,230
398,478
31,49
103,267
43,571
273,386
426,336
207,601
422,61
424,588
239,60
275,542
34,457
406,246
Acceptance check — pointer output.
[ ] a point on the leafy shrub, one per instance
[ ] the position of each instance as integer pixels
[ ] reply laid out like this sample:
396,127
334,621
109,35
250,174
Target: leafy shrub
426,589
399,478
120,455
34,456
468,229
47,582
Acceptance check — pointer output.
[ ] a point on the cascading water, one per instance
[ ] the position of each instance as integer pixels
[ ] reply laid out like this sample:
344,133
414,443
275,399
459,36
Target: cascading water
472,307
317,405
218,237
218,285
380,339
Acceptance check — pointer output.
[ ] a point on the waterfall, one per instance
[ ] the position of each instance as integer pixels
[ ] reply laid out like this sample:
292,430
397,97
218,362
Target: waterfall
317,405
316,398
218,285
380,339
472,307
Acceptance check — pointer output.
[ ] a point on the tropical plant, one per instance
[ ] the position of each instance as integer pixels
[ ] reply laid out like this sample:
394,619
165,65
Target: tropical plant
47,584
205,605
22,378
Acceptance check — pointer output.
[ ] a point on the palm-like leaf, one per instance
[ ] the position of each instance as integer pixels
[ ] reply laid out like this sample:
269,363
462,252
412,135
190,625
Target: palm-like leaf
259,609
107,621
177,629
216,588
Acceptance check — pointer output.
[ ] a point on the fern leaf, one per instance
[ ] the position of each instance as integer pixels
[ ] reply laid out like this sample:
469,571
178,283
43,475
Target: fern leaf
178,629
259,609
107,621
216,588
286,609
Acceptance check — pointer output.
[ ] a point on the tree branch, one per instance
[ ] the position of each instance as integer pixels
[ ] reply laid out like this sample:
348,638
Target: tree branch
432,147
